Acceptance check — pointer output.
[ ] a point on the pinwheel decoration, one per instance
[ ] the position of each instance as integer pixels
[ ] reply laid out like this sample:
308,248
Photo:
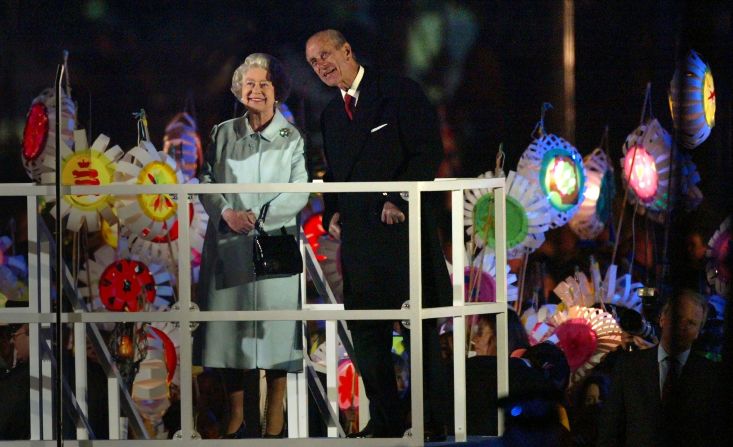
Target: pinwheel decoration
692,101
480,282
534,323
121,282
527,215
85,165
557,167
646,169
39,134
595,209
718,256
584,334
182,142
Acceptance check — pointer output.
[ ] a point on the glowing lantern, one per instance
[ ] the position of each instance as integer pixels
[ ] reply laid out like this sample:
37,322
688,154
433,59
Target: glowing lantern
718,256
39,134
557,167
595,209
693,111
126,349
527,215
646,164
183,143
584,334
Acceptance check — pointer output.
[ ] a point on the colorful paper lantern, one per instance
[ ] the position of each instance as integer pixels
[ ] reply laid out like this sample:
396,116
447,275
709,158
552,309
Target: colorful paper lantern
646,169
595,209
586,335
348,385
557,167
718,256
527,215
39,134
182,142
484,274
85,165
163,344
692,101
579,290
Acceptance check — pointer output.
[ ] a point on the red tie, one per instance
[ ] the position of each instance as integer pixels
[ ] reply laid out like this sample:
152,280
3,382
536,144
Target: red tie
349,106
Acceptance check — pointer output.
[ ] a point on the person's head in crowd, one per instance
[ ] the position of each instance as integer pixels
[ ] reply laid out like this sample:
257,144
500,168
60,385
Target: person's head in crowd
681,320
331,57
483,335
19,344
446,340
551,362
483,339
593,390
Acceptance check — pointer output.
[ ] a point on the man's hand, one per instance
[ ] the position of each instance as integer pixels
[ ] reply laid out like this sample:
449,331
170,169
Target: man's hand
334,228
241,222
391,214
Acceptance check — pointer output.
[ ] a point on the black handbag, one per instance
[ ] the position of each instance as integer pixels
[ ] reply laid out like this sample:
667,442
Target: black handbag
275,256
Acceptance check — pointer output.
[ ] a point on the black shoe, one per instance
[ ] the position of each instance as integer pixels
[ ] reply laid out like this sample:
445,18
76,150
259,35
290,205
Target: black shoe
277,436
367,432
239,434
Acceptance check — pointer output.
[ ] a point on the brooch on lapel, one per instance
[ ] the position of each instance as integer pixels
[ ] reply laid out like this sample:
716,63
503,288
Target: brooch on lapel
284,132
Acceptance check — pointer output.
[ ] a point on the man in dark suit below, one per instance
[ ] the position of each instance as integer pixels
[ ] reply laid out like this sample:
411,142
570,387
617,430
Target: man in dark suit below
668,395
381,128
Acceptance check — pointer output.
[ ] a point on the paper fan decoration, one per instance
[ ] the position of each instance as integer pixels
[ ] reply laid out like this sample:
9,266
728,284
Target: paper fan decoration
585,335
39,134
182,142
150,391
534,323
646,169
557,167
579,290
692,101
718,256
124,283
83,166
689,178
348,385
596,207
484,274
164,249
527,215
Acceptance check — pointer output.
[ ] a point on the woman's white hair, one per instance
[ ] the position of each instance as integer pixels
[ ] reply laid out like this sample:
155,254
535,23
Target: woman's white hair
275,74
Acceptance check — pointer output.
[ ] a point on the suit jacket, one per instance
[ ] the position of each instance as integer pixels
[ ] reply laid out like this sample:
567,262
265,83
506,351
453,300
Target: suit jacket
634,414
394,136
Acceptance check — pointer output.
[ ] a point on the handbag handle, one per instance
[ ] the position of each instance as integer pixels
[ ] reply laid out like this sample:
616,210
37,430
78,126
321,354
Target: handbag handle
261,219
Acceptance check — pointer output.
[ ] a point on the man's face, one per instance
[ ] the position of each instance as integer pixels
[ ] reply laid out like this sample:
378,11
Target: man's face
680,336
20,342
335,66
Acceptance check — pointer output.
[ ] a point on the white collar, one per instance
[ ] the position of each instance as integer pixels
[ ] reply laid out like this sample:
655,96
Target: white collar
681,357
354,90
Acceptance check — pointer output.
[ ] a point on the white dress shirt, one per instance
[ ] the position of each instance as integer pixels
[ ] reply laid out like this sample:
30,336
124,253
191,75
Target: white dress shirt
354,89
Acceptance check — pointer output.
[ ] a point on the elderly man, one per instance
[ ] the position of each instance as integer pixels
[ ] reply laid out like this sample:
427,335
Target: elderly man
666,395
381,128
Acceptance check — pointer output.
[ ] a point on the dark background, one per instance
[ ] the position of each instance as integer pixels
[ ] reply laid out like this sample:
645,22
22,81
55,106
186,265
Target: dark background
487,65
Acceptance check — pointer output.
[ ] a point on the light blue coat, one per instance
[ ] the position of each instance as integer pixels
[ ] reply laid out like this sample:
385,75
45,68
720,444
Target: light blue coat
240,155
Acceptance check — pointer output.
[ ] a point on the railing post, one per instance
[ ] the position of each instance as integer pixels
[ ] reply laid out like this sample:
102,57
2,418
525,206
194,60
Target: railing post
415,315
459,321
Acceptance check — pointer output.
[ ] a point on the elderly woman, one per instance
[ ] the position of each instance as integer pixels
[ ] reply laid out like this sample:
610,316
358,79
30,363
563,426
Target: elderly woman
259,147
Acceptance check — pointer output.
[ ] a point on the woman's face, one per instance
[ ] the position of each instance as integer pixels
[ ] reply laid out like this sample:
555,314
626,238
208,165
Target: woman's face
258,93
483,339
592,395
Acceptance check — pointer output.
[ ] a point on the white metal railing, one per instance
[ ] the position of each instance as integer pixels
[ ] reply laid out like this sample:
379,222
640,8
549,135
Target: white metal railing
39,312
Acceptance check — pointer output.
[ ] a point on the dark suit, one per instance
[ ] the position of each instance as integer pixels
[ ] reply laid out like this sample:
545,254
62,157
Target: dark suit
634,414
374,255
